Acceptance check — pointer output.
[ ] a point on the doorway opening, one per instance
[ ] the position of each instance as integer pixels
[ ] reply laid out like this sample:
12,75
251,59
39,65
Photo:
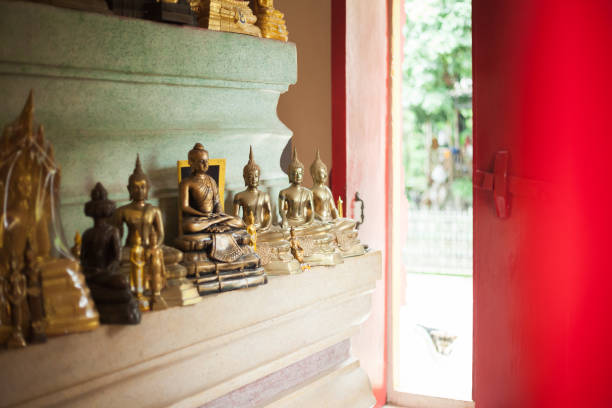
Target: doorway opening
432,299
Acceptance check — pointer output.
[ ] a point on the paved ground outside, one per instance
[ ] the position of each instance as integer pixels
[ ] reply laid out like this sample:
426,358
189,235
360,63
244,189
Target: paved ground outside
438,306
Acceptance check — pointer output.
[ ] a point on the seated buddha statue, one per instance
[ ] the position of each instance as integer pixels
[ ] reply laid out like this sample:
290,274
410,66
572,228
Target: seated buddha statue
296,209
100,254
145,220
344,229
272,247
217,252
269,20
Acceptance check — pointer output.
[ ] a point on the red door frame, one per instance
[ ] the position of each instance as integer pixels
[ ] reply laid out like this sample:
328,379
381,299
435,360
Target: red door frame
343,183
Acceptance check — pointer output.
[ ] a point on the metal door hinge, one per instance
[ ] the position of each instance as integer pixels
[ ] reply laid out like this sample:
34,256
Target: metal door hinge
497,182
504,186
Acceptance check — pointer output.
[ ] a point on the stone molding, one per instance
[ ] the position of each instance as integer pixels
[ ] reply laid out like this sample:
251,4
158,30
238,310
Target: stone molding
191,356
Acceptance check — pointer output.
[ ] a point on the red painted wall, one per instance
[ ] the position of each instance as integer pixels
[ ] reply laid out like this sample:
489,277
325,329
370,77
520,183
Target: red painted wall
359,146
543,277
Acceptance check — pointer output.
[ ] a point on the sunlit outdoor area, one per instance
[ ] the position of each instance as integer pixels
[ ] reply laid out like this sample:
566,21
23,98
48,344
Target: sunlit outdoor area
435,352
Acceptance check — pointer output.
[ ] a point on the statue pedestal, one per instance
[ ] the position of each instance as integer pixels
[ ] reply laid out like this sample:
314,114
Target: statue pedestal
284,344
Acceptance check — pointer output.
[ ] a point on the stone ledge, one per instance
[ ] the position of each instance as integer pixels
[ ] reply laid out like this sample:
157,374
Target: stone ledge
194,355
68,39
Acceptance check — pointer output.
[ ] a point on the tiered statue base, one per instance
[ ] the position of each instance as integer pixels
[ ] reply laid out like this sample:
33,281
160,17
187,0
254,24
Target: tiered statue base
232,16
179,290
347,237
221,262
319,244
275,253
68,304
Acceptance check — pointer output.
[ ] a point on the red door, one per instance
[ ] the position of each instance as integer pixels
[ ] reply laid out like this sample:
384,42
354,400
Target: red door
543,275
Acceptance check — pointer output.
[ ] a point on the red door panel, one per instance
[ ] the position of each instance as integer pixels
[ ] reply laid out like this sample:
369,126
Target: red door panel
543,276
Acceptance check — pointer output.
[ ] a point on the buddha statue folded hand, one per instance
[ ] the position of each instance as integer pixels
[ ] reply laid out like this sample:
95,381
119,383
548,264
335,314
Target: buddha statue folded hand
296,209
344,230
144,223
272,247
217,252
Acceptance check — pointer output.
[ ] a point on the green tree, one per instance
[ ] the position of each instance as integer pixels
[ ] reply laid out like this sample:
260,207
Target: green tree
437,76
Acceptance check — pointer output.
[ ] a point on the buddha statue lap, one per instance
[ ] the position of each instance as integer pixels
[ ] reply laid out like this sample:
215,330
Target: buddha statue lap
269,20
100,254
296,209
272,247
29,216
144,218
217,252
344,230
233,16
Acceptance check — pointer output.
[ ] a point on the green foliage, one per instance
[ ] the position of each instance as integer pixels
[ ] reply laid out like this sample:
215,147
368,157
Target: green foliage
437,56
437,76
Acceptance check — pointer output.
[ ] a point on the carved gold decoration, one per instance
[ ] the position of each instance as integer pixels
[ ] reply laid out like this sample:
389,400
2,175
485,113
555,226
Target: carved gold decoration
269,20
29,212
233,16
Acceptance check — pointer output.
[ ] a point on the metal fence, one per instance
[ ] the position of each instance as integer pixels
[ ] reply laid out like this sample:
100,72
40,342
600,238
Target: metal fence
439,242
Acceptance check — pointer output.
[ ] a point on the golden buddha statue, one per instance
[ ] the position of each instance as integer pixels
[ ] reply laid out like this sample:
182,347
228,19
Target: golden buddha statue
343,229
156,273
272,247
233,16
269,20
296,209
29,212
217,252
146,219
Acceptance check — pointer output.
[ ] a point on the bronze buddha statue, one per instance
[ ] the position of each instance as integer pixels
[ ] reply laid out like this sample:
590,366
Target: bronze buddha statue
100,253
29,216
343,229
272,247
296,209
217,252
146,220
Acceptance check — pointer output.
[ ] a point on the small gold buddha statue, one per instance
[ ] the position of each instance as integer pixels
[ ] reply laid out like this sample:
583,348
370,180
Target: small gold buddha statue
217,252
269,20
16,294
272,246
137,272
154,256
296,209
233,16
145,219
343,229
29,204
252,231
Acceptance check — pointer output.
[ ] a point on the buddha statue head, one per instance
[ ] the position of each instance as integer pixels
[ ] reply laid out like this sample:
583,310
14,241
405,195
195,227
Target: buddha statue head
99,206
251,172
198,159
296,169
318,170
138,183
